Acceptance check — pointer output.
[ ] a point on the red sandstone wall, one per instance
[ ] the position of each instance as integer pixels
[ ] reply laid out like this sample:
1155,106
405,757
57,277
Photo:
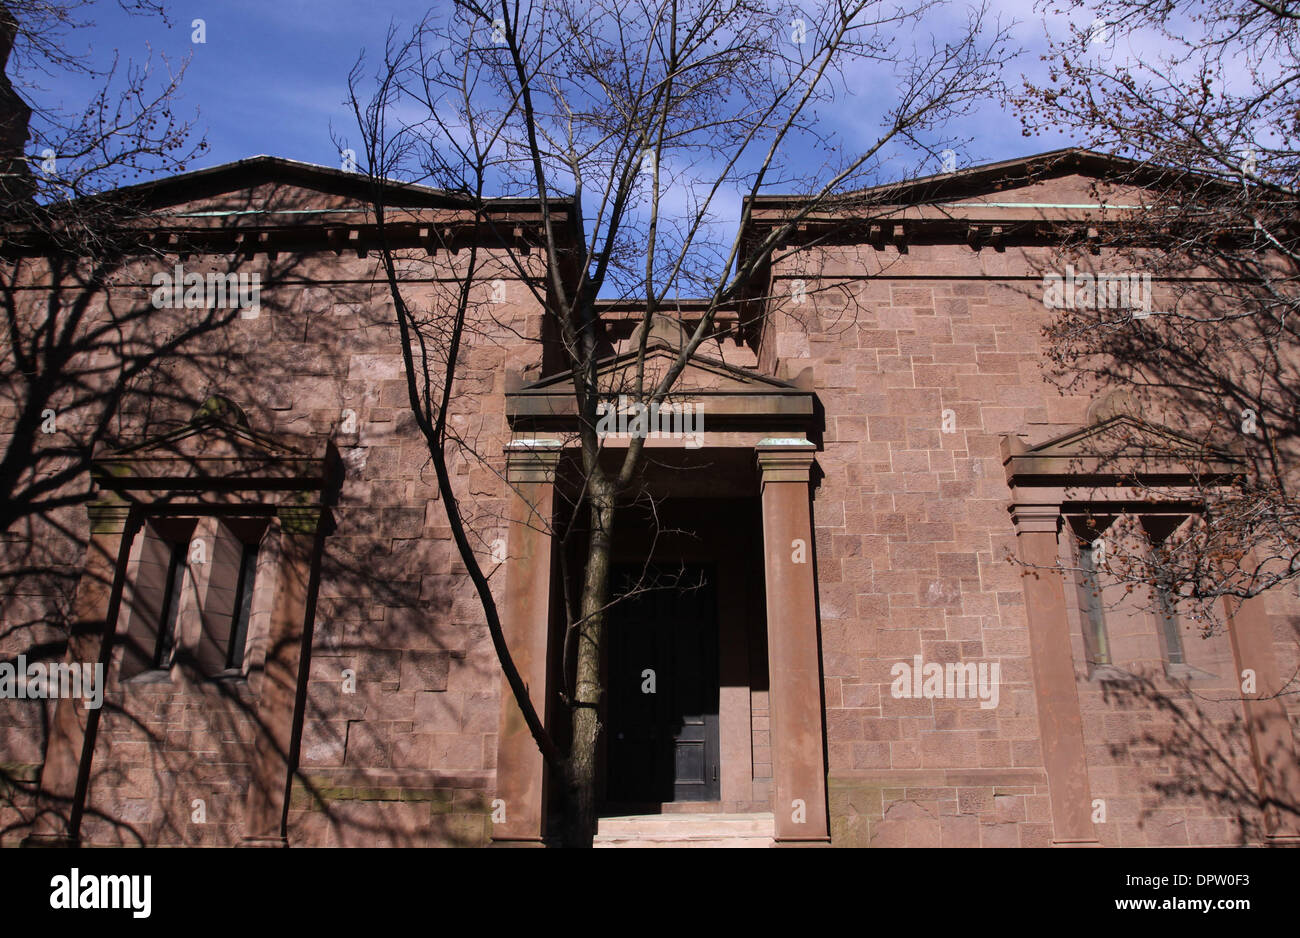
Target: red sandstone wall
912,530
407,758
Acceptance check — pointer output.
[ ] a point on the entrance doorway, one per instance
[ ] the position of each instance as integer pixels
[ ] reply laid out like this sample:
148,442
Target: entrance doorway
663,688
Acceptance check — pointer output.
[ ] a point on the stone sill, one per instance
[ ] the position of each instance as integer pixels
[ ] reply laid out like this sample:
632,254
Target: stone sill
1186,673
1178,673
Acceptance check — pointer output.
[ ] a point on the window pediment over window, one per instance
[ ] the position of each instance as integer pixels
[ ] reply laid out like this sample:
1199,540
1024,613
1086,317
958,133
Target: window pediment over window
206,507
1112,492
217,449
1118,450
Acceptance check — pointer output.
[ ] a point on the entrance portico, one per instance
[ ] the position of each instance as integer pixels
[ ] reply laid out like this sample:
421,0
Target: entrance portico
772,427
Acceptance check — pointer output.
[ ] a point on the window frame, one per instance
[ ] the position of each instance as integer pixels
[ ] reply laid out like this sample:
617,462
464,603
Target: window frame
242,614
180,617
167,636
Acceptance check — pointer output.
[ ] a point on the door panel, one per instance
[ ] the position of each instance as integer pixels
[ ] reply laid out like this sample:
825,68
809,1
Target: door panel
663,746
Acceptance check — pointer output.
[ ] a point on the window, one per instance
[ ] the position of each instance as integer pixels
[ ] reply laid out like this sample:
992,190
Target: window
1089,557
172,590
158,596
192,597
243,608
1094,616
228,592
1158,528
1128,614
1173,641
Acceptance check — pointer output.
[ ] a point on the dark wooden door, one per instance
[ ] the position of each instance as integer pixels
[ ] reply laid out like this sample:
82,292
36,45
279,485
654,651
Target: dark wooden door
663,693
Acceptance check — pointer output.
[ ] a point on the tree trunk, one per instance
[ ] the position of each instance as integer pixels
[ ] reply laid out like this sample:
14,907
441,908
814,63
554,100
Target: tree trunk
15,116
587,685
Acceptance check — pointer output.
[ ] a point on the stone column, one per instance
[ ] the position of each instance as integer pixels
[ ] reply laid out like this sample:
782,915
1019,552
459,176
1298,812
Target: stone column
301,530
1272,743
1057,697
95,609
794,658
525,620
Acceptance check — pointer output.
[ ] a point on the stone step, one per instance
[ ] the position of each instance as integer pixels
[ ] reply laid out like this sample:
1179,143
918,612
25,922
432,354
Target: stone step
729,843
686,830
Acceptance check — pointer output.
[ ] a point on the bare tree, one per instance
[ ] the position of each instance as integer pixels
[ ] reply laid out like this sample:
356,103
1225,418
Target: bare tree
1204,120
630,131
87,358
69,230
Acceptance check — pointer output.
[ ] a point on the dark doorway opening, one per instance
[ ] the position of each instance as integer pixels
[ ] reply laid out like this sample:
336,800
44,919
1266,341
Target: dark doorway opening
663,688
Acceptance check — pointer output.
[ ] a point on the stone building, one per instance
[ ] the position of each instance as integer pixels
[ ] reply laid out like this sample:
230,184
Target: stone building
880,456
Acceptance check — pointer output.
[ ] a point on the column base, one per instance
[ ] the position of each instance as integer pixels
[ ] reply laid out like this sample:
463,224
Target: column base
1282,840
1083,842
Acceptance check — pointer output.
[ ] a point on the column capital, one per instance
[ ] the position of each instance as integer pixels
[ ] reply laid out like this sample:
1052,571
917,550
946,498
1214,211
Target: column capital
108,515
302,519
785,460
1036,518
532,460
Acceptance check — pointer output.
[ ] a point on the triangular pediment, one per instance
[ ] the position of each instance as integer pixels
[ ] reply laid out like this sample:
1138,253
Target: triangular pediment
1124,435
985,204
268,190
206,440
729,396
216,446
1069,177
269,185
1121,448
702,373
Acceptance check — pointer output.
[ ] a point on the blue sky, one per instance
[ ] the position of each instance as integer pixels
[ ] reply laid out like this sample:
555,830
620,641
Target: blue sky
271,76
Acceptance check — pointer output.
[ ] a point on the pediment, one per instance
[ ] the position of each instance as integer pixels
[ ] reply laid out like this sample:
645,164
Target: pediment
1123,435
730,397
1069,189
1120,447
1072,176
269,186
215,447
702,374
212,439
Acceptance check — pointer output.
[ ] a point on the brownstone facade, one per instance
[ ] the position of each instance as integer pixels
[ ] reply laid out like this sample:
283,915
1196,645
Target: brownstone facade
879,449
